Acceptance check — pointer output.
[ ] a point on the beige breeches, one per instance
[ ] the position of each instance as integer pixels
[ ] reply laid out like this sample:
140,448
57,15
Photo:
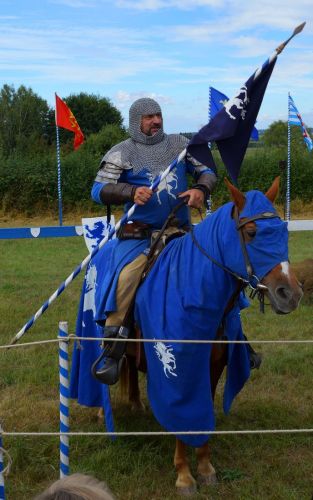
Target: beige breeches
128,282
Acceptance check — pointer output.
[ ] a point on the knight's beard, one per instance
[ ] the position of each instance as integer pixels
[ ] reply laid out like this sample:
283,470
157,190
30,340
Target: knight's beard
157,128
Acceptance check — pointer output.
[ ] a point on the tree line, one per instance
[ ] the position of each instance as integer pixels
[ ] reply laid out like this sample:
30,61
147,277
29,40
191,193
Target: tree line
27,122
28,174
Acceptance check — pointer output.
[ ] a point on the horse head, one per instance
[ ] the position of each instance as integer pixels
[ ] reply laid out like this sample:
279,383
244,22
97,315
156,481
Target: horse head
263,233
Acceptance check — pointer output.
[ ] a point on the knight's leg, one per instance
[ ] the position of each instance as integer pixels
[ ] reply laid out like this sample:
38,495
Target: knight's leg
114,352
128,282
185,483
206,472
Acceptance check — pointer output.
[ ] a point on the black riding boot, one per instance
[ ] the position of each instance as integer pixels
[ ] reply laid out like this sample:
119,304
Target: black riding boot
254,357
113,355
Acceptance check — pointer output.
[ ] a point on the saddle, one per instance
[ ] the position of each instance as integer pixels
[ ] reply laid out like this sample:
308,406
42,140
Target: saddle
159,240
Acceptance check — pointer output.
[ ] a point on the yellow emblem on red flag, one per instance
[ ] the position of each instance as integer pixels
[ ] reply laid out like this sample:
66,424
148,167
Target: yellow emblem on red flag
64,118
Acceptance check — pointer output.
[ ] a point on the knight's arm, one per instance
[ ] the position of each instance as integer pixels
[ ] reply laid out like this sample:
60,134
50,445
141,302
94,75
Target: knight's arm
107,189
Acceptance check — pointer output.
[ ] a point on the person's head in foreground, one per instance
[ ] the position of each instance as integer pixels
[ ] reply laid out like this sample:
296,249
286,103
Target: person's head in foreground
76,487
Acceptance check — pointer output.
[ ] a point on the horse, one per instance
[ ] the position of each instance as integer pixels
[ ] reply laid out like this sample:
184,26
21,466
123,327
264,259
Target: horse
195,292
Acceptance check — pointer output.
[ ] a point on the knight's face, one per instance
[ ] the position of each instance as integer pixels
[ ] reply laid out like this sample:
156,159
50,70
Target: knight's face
150,124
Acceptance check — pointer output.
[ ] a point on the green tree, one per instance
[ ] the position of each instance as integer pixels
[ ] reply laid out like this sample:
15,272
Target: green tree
93,112
24,118
277,135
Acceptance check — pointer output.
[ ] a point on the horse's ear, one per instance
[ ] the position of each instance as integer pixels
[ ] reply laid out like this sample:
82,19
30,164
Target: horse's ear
237,196
273,190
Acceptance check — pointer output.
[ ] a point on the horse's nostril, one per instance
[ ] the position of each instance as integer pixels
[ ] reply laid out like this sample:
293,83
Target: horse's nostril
283,293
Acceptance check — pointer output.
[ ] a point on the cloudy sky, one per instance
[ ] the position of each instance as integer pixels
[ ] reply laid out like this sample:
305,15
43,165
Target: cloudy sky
172,50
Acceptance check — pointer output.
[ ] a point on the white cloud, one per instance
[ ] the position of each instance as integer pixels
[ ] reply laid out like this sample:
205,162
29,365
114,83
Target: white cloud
221,44
167,4
123,98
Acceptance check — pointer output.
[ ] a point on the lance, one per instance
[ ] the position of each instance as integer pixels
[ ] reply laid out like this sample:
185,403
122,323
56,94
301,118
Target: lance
130,212
89,257
278,50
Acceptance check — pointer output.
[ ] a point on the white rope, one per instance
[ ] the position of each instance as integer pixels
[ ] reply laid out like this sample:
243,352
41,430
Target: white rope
172,341
159,433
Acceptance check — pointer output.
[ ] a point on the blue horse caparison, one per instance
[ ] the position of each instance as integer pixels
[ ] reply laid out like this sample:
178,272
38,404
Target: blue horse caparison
185,297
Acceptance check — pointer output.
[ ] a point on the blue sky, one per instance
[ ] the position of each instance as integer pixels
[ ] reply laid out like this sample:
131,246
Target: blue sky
172,50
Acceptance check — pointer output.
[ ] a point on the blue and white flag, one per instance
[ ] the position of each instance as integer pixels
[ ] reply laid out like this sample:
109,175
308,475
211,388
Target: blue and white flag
294,118
231,127
217,101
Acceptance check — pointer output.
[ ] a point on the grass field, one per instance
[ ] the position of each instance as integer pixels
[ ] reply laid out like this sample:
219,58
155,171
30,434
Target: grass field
277,396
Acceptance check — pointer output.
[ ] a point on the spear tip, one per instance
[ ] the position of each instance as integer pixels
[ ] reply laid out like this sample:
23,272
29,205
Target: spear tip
299,28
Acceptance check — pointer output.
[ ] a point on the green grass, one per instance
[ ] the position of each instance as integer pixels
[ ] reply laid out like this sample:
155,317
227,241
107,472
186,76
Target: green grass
278,396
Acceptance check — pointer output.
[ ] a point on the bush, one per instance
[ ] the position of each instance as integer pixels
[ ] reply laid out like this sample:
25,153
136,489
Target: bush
29,183
262,165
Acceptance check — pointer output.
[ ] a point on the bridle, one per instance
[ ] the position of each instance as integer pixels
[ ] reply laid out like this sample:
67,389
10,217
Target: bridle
257,288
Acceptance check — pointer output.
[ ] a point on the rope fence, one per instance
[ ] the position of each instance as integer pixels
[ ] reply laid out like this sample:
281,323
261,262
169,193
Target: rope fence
158,433
73,337
64,434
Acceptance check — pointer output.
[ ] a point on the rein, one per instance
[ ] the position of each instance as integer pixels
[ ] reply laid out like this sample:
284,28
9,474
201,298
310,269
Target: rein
257,288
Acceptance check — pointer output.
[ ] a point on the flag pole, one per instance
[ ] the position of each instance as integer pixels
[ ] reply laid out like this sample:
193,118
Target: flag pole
288,164
209,200
59,169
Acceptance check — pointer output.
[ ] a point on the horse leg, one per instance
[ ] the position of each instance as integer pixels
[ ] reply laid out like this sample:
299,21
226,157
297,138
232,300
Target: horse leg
217,364
206,471
133,387
185,483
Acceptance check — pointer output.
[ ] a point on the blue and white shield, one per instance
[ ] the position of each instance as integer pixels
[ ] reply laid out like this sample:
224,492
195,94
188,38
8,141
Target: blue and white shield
95,229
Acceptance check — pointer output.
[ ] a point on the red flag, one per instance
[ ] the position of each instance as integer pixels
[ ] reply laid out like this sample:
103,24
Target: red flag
64,118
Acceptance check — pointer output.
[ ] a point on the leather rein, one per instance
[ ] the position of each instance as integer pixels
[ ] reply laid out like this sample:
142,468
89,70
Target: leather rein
257,288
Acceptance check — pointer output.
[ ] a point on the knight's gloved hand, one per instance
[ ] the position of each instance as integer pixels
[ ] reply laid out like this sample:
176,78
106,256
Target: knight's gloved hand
196,197
142,195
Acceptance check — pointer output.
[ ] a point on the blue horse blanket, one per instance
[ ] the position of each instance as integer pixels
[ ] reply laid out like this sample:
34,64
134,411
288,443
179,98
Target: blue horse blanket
184,297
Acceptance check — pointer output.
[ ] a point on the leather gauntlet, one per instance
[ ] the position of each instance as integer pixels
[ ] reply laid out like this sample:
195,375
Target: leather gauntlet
117,194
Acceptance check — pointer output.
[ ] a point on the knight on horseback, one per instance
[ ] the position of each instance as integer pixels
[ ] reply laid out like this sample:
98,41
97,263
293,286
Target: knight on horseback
125,174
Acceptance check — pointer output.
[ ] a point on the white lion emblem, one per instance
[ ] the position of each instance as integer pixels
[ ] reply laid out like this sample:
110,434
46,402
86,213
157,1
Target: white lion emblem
239,102
166,357
169,184
90,290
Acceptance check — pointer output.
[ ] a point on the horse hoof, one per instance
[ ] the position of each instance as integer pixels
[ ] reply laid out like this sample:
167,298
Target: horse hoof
206,480
100,415
186,491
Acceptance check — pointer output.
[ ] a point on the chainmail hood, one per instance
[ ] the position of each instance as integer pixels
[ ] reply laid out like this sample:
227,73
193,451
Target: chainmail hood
144,106
141,151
